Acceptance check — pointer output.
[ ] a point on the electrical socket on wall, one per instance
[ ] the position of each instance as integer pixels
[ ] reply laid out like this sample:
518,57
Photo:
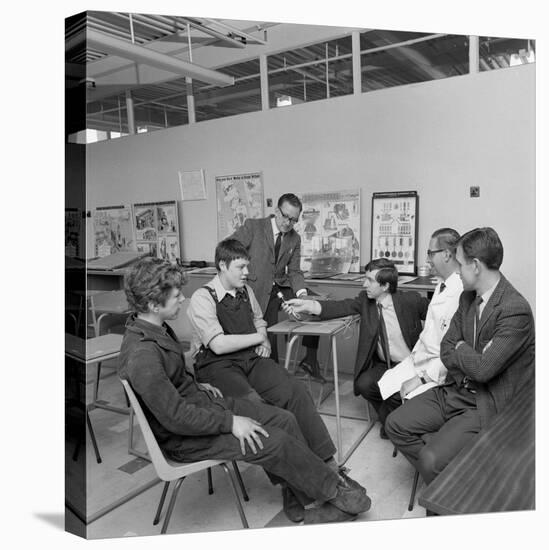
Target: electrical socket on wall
474,191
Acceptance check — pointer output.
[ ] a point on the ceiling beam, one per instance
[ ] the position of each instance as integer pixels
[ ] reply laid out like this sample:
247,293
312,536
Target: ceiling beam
127,50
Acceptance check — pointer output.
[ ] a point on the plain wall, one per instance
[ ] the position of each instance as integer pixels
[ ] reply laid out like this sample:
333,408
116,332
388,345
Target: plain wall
437,138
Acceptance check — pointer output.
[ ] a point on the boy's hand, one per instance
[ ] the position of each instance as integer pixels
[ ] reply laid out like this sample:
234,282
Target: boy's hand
248,430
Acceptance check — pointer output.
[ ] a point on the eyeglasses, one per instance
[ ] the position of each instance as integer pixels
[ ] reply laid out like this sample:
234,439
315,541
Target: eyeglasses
431,253
288,218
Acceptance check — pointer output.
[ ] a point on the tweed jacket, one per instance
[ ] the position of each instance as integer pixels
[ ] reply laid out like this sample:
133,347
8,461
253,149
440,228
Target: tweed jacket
257,236
410,309
505,351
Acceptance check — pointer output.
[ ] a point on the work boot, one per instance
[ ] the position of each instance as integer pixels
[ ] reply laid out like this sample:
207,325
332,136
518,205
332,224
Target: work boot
352,500
326,513
349,481
292,507
312,368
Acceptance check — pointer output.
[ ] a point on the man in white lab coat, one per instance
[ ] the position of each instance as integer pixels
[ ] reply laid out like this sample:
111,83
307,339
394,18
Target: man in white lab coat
423,369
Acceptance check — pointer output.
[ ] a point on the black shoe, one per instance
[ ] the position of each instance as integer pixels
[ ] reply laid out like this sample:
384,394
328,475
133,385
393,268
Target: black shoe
351,500
327,513
383,433
292,507
312,369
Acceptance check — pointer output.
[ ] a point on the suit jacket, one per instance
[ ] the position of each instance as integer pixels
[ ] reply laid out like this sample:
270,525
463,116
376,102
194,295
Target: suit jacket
410,308
505,350
257,236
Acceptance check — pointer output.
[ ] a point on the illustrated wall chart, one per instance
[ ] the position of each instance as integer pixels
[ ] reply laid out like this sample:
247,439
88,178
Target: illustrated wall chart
73,232
239,197
157,229
394,229
330,231
113,230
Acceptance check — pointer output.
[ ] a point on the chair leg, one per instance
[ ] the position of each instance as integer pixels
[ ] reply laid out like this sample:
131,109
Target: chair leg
240,482
414,488
210,482
161,503
236,495
171,505
395,451
96,385
92,437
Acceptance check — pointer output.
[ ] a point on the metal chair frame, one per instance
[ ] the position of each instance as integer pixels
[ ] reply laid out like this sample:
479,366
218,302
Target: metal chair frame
170,470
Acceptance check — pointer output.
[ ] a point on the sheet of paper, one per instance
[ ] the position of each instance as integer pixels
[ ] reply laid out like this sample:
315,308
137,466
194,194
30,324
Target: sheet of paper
392,380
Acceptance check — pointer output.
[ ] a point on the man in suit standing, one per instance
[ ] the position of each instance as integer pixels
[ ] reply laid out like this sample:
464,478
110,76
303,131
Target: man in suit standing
488,351
389,328
274,248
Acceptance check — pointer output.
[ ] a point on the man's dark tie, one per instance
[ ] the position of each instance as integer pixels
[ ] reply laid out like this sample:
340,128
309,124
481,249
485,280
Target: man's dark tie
278,242
383,337
442,287
478,301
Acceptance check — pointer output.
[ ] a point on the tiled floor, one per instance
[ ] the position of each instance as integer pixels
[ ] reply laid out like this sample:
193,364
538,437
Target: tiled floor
387,479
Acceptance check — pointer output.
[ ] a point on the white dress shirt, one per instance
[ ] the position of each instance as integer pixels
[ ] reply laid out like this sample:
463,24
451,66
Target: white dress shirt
276,231
202,313
397,346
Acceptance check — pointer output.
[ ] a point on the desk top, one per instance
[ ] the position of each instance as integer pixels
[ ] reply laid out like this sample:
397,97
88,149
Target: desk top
496,471
418,283
93,350
318,328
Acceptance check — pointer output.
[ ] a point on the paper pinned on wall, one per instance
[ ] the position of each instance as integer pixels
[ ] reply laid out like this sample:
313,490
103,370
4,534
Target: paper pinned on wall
192,185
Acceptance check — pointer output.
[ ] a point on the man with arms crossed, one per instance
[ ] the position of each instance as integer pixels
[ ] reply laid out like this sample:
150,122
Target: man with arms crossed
488,351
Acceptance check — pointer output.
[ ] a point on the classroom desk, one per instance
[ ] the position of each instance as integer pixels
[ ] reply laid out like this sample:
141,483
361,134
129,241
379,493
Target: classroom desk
95,350
99,279
331,329
496,471
88,352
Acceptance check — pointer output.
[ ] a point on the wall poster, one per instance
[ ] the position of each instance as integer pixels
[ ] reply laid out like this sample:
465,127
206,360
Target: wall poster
330,232
113,230
239,197
157,229
394,229
73,232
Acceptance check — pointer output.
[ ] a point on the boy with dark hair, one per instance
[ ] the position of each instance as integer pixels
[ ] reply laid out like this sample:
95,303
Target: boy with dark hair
390,326
195,422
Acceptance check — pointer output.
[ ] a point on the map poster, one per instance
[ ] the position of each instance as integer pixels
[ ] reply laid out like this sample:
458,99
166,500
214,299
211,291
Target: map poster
239,197
157,229
330,232
113,230
394,229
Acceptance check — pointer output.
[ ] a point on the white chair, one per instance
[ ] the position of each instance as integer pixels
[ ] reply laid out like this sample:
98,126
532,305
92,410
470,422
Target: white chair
170,470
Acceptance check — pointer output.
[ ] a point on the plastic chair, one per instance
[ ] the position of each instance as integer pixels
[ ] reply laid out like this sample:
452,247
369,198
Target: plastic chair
170,470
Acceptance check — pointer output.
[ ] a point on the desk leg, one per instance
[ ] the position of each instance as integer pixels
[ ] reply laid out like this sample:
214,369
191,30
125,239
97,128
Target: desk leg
289,351
336,391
